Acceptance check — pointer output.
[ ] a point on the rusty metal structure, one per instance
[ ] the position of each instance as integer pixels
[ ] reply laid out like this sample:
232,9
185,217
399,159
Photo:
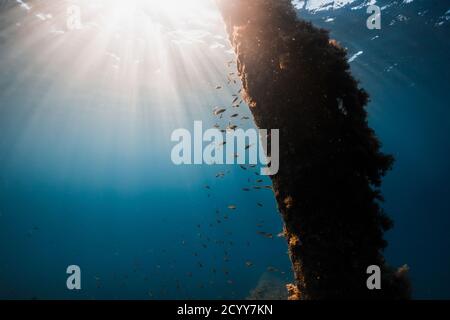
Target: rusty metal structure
296,79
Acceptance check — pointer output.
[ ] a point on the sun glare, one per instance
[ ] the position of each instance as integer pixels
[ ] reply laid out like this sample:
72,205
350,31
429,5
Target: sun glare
170,9
134,52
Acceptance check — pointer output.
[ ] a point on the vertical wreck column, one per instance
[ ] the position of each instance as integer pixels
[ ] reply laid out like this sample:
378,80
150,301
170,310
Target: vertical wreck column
297,80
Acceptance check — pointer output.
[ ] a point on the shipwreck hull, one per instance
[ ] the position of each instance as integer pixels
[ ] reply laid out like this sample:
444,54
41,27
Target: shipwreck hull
297,80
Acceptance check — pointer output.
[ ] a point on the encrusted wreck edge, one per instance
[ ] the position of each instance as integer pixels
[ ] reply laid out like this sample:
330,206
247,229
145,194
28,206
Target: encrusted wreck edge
298,80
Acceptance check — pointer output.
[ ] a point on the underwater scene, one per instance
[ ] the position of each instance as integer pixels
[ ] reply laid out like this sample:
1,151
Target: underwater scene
108,109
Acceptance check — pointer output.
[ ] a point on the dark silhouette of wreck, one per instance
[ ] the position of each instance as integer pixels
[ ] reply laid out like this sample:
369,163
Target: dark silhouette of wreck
297,80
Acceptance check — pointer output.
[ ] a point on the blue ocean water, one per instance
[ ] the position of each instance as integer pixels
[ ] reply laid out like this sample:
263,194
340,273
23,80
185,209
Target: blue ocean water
405,68
86,176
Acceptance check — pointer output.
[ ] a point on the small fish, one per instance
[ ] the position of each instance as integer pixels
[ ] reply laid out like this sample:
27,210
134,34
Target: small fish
218,87
232,207
234,115
219,111
265,234
249,264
